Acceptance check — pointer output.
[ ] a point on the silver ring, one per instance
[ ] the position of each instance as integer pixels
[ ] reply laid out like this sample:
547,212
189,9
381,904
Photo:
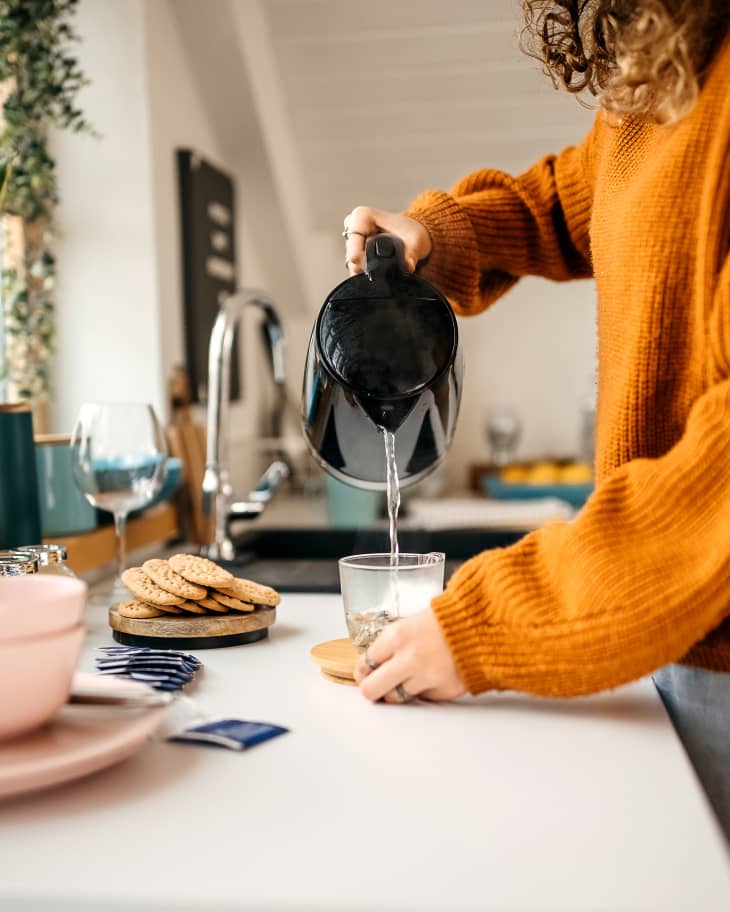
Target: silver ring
347,232
403,695
373,666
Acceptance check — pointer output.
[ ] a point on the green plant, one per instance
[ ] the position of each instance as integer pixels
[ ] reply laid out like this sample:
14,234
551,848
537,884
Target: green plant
39,80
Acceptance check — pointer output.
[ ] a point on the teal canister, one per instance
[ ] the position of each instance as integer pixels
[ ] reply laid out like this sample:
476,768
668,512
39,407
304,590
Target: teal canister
349,507
64,509
20,519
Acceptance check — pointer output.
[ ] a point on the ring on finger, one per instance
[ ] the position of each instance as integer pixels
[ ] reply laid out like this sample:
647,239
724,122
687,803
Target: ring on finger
403,694
373,666
346,234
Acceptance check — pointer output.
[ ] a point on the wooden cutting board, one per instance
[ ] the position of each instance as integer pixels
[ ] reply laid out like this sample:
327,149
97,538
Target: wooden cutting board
337,660
177,631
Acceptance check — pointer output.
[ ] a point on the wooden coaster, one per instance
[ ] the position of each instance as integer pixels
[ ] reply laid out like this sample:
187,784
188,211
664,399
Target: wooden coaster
336,679
193,631
336,659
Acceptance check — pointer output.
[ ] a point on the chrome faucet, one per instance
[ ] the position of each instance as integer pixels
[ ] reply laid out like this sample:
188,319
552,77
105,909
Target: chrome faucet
218,505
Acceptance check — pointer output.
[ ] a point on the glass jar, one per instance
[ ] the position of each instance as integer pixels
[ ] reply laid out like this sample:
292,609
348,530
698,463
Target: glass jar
51,559
17,563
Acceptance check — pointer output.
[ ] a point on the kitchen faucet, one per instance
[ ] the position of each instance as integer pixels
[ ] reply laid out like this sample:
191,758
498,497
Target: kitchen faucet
218,505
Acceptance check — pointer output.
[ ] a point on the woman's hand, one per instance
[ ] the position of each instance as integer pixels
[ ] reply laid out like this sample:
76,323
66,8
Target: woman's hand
364,222
410,658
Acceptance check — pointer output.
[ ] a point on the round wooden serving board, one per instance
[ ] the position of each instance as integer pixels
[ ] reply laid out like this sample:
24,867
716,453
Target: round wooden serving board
337,660
192,631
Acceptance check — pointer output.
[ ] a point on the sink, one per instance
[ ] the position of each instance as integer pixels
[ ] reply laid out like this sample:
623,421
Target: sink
305,560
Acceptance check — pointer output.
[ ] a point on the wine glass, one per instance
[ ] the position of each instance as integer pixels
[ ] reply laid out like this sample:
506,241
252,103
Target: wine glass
119,463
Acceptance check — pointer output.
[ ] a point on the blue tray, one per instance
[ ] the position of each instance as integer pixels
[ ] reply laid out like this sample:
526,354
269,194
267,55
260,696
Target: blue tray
574,494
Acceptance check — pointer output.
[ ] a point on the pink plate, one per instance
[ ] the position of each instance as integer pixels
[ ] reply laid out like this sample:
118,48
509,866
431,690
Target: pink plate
79,741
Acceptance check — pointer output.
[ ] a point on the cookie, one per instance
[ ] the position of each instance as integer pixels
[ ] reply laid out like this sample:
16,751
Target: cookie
137,609
160,572
170,609
192,608
230,601
200,570
248,591
141,586
212,605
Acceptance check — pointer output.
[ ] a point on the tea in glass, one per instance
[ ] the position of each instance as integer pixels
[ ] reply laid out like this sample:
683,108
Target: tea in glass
375,592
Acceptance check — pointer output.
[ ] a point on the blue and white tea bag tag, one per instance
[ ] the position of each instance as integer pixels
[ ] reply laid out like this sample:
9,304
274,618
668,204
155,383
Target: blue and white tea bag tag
235,734
160,668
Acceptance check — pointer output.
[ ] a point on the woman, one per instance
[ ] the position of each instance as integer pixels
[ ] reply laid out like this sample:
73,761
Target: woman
641,579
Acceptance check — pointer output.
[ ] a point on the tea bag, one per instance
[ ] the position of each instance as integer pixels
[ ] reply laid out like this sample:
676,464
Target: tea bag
235,734
163,669
369,627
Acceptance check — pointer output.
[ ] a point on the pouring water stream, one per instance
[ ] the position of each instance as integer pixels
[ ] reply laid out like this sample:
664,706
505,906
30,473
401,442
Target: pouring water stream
393,497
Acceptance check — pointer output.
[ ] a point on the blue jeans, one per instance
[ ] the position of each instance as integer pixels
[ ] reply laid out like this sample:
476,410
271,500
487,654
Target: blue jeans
698,703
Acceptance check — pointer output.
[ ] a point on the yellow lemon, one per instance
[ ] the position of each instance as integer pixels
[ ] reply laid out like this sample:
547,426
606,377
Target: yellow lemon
576,473
543,473
513,474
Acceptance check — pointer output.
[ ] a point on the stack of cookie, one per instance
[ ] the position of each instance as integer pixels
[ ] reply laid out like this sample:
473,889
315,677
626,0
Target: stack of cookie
186,584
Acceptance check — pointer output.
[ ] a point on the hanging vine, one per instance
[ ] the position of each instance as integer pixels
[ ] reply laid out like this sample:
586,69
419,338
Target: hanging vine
39,81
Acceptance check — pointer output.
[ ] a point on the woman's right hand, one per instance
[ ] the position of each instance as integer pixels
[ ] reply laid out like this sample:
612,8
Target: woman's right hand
364,222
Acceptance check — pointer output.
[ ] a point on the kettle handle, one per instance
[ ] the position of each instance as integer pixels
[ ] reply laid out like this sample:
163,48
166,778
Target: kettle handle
384,256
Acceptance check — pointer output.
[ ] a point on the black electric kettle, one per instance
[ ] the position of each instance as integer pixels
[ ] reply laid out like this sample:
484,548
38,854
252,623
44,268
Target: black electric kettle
383,356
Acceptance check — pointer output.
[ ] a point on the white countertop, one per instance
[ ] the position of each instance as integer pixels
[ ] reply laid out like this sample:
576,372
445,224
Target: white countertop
498,803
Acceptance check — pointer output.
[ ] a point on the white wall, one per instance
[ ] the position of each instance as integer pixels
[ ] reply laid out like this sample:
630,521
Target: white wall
182,115
534,350
120,298
108,326
164,73
178,118
415,95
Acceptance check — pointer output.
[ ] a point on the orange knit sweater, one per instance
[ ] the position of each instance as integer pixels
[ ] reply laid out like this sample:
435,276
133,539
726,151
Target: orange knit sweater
642,576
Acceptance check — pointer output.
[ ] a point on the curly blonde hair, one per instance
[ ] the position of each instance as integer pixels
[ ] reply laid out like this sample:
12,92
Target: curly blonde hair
643,58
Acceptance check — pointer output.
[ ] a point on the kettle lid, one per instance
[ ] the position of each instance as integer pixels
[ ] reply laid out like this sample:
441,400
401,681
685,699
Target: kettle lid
386,333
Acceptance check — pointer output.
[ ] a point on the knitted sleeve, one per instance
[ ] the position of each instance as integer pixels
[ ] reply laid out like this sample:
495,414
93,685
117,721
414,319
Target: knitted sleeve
634,582
492,228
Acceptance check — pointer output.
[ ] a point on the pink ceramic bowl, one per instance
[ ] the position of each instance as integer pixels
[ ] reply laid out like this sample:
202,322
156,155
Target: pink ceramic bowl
35,678
38,605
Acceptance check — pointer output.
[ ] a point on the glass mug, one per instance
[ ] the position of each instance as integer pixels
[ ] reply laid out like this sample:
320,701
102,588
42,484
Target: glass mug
375,593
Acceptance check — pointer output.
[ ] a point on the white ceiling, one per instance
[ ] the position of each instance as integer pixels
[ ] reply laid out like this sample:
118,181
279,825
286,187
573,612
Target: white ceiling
386,98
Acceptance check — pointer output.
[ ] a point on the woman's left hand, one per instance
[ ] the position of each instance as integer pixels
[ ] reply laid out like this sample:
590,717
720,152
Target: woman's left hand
412,660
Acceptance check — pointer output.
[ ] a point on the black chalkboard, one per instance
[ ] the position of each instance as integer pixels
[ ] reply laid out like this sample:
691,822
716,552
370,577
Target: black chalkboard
207,211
